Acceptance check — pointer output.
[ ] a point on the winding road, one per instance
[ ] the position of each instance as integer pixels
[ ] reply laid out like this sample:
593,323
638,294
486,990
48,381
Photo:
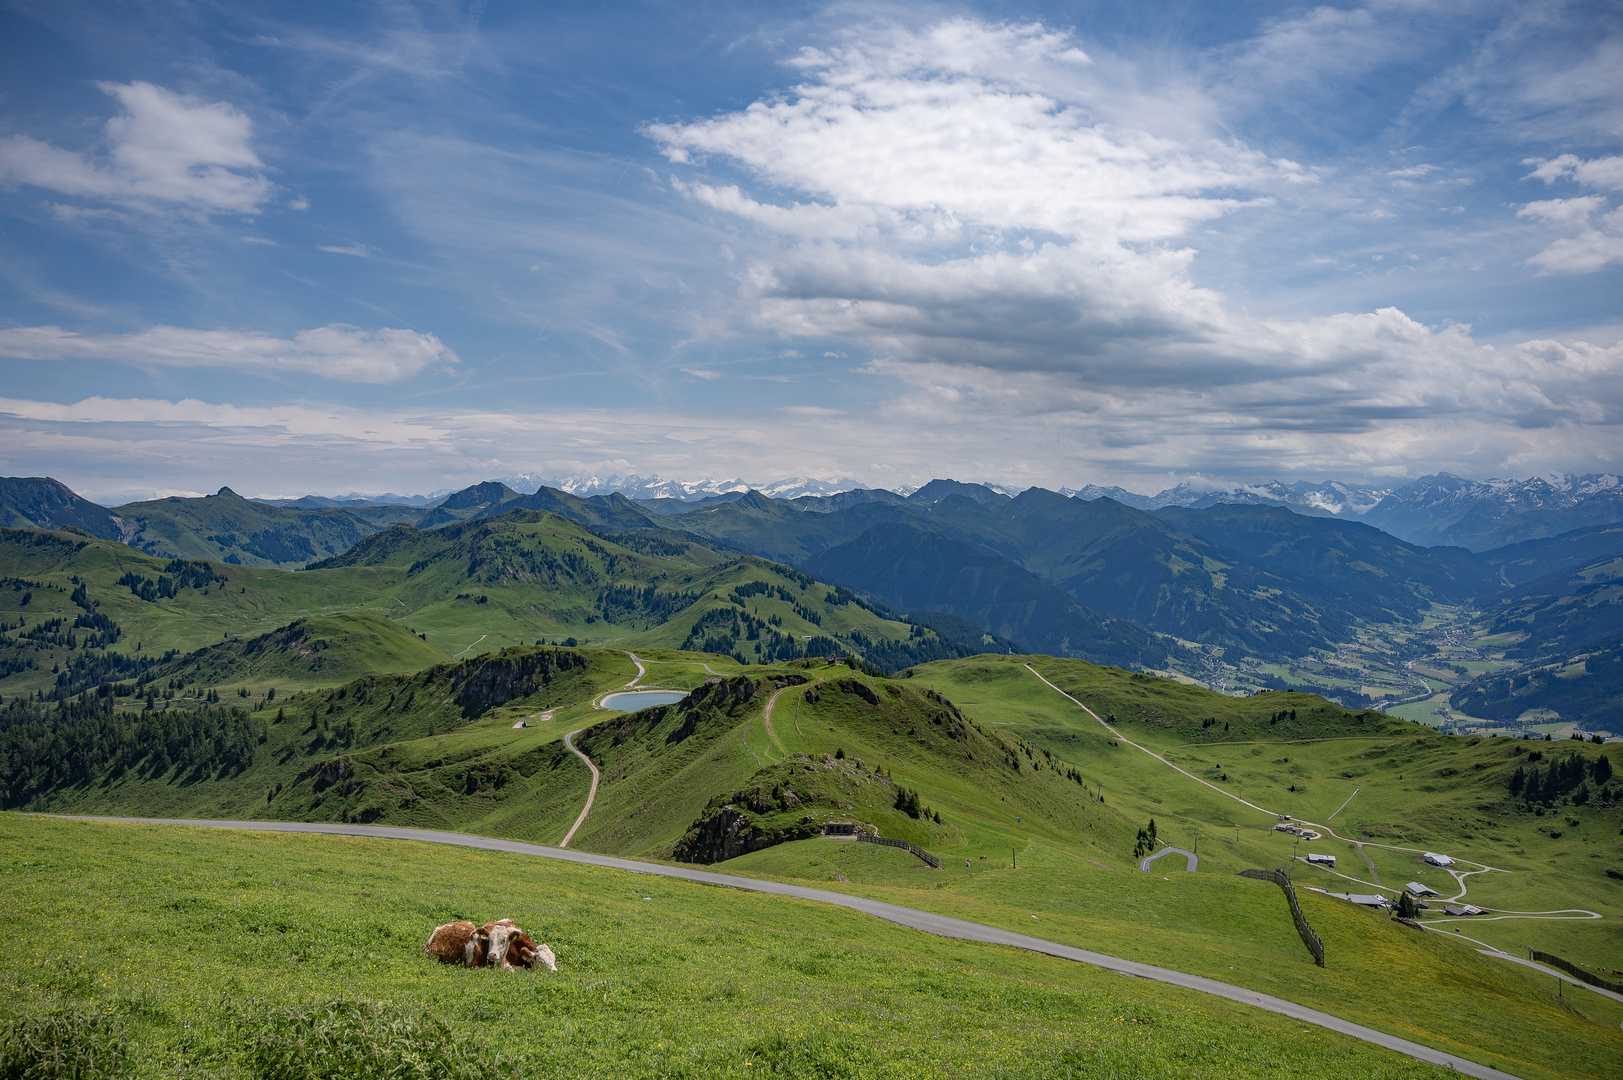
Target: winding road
1189,856
569,741
1458,875
929,922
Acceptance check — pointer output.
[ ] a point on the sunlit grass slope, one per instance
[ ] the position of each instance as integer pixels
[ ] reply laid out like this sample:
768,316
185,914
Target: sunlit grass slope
437,747
315,651
186,939
1414,789
1423,987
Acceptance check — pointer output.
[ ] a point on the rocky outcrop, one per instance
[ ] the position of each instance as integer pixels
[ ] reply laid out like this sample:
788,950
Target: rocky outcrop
729,831
709,700
488,681
791,800
858,688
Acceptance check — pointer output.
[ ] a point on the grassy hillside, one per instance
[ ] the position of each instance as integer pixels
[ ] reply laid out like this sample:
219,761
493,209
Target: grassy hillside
195,949
225,527
1565,611
76,611
1382,784
1016,774
433,729
319,650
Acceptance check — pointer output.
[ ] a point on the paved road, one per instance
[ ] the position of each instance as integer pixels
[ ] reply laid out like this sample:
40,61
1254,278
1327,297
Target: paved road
929,922
569,741
1194,860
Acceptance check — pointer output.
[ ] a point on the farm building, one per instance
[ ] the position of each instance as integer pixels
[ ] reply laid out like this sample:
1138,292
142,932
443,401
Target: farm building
1364,899
1416,889
1322,860
1437,860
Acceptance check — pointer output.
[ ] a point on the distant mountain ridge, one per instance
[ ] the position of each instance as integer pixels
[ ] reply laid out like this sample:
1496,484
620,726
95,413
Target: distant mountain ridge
1098,577
40,502
1433,511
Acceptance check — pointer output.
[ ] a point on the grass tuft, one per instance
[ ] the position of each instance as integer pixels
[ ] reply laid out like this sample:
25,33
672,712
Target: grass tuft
66,1041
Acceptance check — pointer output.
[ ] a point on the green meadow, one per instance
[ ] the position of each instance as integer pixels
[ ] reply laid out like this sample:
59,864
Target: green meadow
191,952
1032,805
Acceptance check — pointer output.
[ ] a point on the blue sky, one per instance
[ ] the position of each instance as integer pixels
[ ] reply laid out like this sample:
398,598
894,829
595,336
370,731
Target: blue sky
403,247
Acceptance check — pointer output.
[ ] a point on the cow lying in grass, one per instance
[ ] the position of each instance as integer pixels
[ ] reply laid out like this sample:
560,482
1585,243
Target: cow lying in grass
498,944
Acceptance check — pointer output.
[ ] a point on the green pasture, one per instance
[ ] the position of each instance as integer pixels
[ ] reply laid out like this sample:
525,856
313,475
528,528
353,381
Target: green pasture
192,949
1413,790
1239,930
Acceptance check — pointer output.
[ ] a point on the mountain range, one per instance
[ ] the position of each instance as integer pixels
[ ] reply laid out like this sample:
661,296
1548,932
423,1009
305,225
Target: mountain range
1145,587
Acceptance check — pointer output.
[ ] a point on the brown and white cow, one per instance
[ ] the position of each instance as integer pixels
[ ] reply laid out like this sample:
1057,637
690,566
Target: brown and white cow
500,944
452,942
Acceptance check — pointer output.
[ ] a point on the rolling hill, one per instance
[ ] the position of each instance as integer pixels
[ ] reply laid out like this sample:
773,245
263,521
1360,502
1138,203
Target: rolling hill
78,612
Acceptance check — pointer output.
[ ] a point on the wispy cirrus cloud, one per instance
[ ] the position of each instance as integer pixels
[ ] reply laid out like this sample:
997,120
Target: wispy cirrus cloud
163,151
335,352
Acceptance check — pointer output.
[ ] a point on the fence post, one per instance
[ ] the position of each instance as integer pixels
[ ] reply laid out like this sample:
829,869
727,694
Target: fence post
1282,879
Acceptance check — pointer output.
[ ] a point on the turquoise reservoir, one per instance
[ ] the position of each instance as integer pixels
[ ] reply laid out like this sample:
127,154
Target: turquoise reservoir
632,700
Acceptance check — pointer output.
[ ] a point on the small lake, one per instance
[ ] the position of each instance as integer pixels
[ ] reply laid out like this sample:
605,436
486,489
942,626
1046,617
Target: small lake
632,700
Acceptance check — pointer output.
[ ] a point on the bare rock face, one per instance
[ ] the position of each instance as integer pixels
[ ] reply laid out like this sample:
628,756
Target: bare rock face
486,682
858,688
729,831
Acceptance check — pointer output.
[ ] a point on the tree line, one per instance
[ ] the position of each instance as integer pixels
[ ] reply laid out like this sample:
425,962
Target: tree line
48,748
1573,778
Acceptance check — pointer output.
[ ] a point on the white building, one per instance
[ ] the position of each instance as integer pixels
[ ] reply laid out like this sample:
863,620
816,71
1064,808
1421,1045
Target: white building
1437,860
1322,860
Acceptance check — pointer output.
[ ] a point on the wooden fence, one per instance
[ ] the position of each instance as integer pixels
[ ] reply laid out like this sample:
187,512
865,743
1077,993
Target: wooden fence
890,842
1283,880
1575,971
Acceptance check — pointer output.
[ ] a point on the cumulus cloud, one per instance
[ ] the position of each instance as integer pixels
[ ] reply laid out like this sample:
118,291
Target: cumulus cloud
966,131
163,151
1006,223
334,352
1595,224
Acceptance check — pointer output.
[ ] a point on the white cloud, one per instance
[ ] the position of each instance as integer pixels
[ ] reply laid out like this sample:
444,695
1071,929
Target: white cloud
164,150
1009,233
335,352
360,251
977,198
1597,239
701,373
967,130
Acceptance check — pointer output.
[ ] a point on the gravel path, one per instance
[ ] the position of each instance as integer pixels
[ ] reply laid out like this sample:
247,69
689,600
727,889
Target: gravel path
569,741
929,922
